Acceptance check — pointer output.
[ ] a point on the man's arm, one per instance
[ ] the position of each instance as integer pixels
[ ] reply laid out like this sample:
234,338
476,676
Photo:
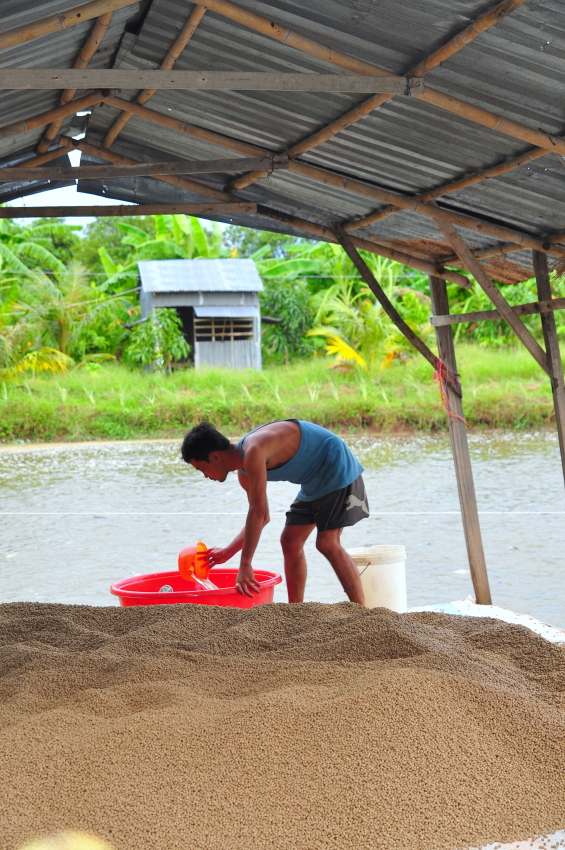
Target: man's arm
255,466
219,555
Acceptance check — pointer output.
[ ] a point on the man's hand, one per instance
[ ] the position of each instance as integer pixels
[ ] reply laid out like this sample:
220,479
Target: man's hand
216,555
246,583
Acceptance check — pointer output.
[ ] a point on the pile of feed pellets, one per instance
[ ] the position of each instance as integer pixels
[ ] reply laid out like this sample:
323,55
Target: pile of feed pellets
283,726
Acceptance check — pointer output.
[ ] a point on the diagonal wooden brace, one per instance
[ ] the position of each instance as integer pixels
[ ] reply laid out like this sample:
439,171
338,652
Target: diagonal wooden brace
507,313
345,241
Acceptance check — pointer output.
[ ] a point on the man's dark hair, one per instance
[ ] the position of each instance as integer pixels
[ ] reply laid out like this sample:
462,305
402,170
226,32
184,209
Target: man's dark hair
201,440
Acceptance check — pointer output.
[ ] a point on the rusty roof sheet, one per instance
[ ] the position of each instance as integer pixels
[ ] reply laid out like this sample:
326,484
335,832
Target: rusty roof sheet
514,69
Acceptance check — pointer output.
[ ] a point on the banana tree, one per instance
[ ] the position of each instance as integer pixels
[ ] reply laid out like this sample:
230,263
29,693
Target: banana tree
29,247
177,237
70,315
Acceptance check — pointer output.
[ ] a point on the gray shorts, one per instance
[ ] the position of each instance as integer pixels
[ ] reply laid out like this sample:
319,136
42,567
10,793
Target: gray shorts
335,510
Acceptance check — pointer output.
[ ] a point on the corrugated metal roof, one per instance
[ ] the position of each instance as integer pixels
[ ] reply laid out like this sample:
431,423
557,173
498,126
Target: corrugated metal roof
514,69
199,275
58,50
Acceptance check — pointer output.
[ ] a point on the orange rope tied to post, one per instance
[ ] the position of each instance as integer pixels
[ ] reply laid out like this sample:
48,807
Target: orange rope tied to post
442,374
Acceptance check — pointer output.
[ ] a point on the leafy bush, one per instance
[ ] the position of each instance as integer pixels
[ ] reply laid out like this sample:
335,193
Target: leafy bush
289,302
158,341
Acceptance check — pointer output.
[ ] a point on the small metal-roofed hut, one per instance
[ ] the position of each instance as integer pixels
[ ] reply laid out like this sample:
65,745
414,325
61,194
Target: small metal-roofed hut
218,303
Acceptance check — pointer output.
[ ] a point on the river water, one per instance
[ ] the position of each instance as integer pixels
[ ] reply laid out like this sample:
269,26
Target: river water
75,518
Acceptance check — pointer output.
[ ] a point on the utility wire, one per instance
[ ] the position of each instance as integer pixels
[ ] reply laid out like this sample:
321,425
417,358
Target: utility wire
83,303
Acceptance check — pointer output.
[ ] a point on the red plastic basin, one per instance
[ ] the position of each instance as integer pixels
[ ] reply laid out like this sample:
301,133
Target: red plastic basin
144,590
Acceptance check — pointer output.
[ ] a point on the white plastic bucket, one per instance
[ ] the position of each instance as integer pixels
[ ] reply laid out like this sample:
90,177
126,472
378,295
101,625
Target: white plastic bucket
383,576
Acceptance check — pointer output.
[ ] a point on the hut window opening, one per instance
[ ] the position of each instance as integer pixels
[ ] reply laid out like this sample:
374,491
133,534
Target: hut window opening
218,329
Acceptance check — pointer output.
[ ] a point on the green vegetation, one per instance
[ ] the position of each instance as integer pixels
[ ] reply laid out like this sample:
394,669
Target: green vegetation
504,388
73,351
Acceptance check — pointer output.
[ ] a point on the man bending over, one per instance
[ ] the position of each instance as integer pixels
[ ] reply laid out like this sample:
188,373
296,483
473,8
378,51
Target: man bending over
332,495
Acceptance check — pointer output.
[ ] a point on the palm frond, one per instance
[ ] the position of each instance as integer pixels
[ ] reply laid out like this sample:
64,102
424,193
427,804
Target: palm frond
44,359
344,351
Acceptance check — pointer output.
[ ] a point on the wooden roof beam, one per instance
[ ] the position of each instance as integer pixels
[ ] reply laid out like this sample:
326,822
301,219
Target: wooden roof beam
244,148
343,182
145,169
309,227
89,48
61,21
168,62
292,38
35,161
37,79
43,118
129,209
507,248
182,182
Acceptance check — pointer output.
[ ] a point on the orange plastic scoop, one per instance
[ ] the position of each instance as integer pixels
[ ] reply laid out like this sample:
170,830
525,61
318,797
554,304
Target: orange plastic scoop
193,565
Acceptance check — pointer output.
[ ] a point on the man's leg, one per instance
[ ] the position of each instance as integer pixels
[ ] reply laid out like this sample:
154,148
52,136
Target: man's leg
328,543
293,539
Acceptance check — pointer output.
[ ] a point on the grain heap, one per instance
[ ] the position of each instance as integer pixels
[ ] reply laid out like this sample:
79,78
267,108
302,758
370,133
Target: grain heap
286,726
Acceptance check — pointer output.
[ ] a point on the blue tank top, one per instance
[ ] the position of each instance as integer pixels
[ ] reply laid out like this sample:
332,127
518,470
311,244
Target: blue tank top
322,464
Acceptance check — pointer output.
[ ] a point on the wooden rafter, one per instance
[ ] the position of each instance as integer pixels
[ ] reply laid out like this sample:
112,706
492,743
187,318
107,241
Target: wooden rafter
112,78
61,21
453,186
35,161
88,50
470,222
182,182
144,169
507,248
314,48
244,148
313,172
43,118
168,62
203,210
343,182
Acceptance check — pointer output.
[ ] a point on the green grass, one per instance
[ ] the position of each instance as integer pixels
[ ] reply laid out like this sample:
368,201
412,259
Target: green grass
502,388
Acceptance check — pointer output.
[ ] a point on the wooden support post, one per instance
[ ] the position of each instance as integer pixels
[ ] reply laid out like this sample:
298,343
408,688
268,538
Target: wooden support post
460,448
552,349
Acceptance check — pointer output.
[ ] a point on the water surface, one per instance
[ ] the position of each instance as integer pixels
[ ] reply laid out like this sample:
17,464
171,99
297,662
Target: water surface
74,519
